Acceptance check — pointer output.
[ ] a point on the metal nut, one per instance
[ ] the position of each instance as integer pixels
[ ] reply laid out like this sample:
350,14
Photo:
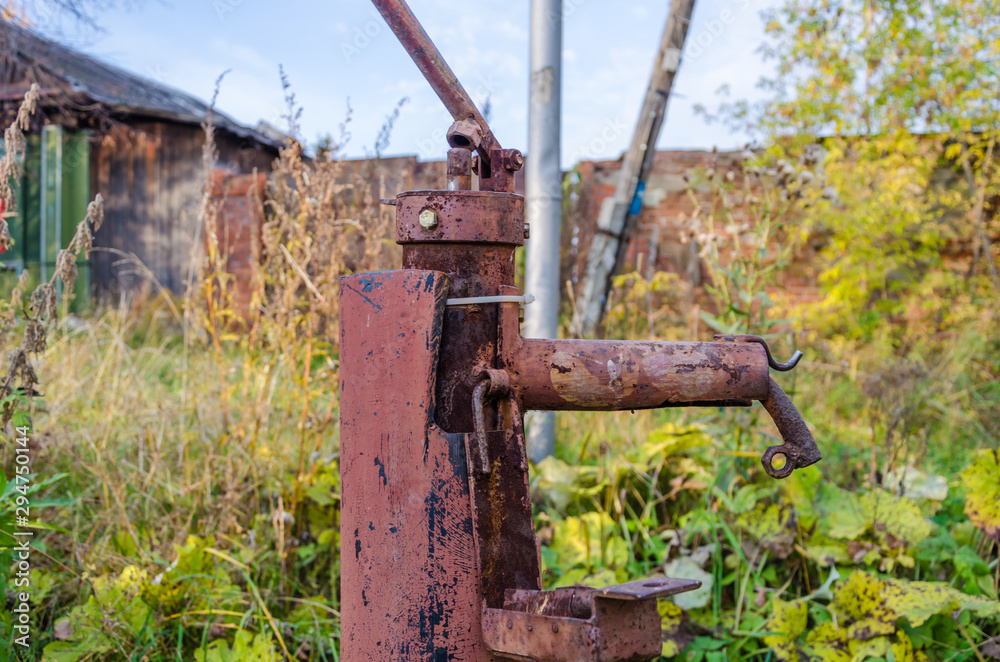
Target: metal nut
428,219
465,134
527,231
512,160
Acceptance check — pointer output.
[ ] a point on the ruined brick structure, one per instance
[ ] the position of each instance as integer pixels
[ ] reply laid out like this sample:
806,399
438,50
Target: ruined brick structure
677,192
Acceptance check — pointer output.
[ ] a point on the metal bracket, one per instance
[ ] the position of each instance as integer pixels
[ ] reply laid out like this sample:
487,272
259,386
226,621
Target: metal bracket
581,624
494,384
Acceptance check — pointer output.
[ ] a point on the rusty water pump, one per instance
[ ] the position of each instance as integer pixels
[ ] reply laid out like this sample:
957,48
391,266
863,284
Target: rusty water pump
439,558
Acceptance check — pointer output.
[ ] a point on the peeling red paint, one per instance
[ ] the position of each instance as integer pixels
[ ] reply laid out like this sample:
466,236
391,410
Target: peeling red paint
439,556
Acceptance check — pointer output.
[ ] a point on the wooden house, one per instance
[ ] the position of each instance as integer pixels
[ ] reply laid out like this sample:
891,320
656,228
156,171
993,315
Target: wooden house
100,129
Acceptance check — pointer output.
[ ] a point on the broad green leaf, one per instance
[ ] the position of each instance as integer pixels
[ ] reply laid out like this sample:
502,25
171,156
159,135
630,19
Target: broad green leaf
899,517
875,605
982,500
21,420
860,598
842,514
918,601
827,555
773,526
827,643
685,568
591,540
868,649
559,481
246,648
788,622
673,622
115,609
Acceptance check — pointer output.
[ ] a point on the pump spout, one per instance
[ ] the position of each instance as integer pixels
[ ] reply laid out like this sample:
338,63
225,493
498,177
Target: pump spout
605,375
800,449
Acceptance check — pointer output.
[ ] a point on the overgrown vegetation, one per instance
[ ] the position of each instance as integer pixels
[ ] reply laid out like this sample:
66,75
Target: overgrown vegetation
186,488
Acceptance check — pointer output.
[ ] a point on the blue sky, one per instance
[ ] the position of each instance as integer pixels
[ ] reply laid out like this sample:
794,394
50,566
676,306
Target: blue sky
337,50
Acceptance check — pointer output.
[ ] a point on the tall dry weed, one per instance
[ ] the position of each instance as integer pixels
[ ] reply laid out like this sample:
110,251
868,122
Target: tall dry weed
18,385
320,221
223,437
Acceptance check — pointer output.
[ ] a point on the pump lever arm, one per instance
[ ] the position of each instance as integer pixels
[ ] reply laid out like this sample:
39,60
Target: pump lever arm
442,79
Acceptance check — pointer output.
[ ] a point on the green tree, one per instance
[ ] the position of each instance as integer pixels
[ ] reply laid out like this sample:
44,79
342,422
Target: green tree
885,114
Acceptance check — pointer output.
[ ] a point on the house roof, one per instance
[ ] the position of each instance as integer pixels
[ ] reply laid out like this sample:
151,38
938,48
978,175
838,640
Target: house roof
115,88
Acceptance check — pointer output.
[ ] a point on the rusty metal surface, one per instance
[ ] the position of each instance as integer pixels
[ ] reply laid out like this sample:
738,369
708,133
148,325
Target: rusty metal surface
481,217
505,163
514,635
648,589
459,170
630,630
437,72
611,374
800,449
466,135
616,631
505,530
440,558
495,384
569,602
470,332
409,576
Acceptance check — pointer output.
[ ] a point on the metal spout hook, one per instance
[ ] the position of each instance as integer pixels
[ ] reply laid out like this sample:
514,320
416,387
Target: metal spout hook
780,367
799,448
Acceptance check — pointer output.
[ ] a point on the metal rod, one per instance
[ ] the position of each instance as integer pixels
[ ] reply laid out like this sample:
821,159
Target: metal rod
439,75
543,193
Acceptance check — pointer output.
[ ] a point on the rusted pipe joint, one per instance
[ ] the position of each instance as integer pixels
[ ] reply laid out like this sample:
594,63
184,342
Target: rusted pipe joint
465,134
498,381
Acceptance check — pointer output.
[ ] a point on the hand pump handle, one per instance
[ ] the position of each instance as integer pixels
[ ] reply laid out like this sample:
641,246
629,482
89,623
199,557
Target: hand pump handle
442,79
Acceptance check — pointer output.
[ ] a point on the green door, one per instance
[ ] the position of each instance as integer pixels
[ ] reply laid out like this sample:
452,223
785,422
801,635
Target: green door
52,199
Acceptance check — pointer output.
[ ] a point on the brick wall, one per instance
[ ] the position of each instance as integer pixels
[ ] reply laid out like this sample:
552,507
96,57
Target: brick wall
675,188
238,199
678,195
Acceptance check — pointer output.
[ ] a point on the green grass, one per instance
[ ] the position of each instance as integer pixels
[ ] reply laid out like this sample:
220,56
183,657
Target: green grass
184,530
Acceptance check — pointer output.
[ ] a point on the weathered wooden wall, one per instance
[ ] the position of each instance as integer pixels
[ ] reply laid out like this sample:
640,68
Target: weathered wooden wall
151,176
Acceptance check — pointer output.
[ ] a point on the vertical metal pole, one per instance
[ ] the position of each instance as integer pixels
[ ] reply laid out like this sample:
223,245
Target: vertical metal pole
543,188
